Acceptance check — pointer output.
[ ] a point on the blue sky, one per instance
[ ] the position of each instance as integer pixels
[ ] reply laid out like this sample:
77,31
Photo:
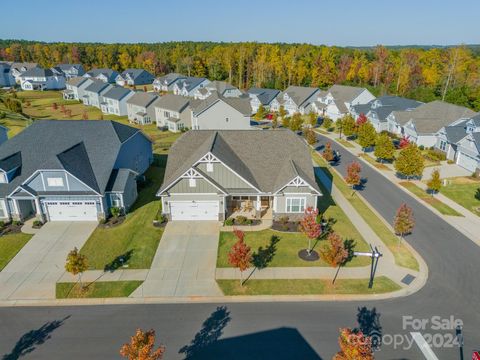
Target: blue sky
333,22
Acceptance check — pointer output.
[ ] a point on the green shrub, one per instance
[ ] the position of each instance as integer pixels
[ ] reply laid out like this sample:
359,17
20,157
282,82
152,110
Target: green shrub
240,220
248,222
2,224
3,115
436,155
229,222
284,220
115,211
103,221
37,223
450,162
16,223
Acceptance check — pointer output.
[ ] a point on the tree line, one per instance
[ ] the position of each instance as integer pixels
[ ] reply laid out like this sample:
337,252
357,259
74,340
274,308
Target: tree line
425,74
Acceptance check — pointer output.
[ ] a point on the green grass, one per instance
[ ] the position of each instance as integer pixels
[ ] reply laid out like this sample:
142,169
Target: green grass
381,285
101,289
375,163
345,143
422,194
136,238
463,191
403,256
10,245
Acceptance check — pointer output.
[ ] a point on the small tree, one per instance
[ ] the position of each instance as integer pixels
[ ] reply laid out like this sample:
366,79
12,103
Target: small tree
327,123
62,109
354,345
76,264
312,119
296,122
240,255
404,221
145,88
310,136
339,126
275,120
141,347
328,152
54,106
349,126
282,111
260,113
353,177
68,113
285,121
477,194
366,135
384,148
410,162
435,182
85,115
404,142
362,119
335,254
310,228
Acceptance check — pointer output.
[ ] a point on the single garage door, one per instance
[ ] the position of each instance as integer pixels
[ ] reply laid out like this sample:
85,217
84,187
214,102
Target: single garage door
71,210
467,162
194,210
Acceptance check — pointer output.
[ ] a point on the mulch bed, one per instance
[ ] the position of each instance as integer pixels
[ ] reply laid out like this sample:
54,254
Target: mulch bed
254,222
10,229
312,256
291,226
113,221
160,224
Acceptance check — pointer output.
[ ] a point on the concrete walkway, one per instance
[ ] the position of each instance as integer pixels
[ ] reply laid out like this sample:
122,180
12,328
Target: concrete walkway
34,271
185,261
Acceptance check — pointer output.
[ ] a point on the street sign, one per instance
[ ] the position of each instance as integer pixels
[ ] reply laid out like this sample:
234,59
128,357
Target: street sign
476,355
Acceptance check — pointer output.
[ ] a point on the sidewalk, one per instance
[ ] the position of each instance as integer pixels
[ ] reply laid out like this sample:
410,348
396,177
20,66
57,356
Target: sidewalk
466,224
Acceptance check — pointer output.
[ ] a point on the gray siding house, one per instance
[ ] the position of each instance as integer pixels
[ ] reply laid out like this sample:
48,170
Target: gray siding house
188,85
75,88
71,170
105,75
222,88
140,108
114,101
213,175
173,112
93,93
69,70
165,83
134,77
296,99
261,96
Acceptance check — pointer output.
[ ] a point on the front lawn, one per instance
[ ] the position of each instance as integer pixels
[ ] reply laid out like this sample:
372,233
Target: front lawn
463,191
10,245
345,143
422,194
381,285
100,289
136,239
403,256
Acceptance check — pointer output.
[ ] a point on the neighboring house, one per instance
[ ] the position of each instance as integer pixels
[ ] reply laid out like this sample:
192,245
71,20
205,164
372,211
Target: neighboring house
140,109
260,96
69,70
3,134
134,77
92,95
377,110
188,85
220,113
18,69
75,88
296,99
213,175
115,101
468,150
105,75
71,170
222,88
421,124
173,112
41,79
165,83
340,98
6,77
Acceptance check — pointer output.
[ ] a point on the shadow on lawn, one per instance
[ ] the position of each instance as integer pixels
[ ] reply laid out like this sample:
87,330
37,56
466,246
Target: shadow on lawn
30,340
119,261
263,257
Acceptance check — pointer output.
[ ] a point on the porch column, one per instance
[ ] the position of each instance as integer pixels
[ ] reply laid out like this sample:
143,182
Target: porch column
259,203
16,209
38,207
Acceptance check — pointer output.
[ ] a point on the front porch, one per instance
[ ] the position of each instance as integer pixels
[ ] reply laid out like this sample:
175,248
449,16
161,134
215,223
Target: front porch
251,207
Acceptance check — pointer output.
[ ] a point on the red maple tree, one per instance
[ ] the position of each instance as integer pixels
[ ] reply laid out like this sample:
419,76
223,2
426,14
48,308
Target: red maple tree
404,142
240,255
328,152
141,347
404,221
354,345
362,119
310,227
353,174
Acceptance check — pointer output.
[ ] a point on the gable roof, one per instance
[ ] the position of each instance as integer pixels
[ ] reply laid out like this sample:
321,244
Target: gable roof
242,105
26,65
254,155
300,94
97,86
345,93
37,72
119,179
86,148
220,86
455,133
109,73
169,78
142,99
77,80
69,66
172,102
385,105
190,82
265,96
117,93
134,73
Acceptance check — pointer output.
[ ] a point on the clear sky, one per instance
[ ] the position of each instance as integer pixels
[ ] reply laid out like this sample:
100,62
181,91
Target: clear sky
333,22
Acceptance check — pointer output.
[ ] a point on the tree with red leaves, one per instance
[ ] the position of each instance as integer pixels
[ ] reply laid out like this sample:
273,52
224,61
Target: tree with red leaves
54,106
85,116
362,119
310,228
404,142
240,255
353,175
354,345
336,254
328,152
62,109
141,347
404,221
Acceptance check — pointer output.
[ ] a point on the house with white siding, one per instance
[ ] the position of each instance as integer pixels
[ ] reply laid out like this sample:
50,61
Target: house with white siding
140,109
18,68
75,88
222,88
165,83
92,95
114,101
188,85
134,77
261,96
41,79
105,75
69,70
296,99
340,98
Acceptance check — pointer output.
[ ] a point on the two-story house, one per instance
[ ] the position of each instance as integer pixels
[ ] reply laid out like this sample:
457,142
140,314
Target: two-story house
6,77
75,88
114,101
69,70
295,99
165,83
134,77
18,68
173,112
41,79
71,170
222,88
188,85
105,75
93,93
340,98
261,96
140,109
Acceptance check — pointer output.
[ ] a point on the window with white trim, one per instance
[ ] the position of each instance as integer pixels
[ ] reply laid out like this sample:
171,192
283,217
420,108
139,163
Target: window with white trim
55,182
192,182
295,205
209,167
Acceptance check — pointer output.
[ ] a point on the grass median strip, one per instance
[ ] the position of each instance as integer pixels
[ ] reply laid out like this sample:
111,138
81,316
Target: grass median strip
10,245
381,285
403,256
434,202
100,289
375,163
345,143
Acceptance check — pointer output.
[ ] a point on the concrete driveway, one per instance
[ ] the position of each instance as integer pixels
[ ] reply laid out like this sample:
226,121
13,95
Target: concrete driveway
33,272
185,261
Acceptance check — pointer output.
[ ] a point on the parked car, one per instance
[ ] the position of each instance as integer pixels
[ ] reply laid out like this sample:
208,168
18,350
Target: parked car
269,117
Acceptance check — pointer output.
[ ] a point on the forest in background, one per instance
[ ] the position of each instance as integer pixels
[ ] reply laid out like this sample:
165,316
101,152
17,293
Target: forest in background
421,73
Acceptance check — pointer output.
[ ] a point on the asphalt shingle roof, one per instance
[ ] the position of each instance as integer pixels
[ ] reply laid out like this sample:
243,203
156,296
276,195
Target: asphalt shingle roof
117,93
37,72
142,99
77,80
345,93
299,94
97,86
265,96
172,102
119,178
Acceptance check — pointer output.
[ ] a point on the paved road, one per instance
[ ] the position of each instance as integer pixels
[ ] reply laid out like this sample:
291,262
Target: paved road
278,330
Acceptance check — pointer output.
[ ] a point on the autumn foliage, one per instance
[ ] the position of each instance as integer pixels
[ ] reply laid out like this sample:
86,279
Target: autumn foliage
240,256
404,221
141,347
335,254
353,174
309,225
328,152
354,345
404,142
362,119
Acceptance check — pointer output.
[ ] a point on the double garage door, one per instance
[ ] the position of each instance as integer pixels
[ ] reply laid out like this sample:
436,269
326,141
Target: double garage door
71,210
467,162
194,210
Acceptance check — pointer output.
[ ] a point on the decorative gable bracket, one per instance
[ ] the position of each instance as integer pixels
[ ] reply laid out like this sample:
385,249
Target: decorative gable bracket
297,182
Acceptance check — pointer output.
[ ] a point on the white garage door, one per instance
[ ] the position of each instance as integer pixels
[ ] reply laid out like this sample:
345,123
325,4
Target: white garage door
190,210
71,210
467,162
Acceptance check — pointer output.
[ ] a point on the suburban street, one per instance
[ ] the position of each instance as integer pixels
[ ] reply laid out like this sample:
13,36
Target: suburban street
301,330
